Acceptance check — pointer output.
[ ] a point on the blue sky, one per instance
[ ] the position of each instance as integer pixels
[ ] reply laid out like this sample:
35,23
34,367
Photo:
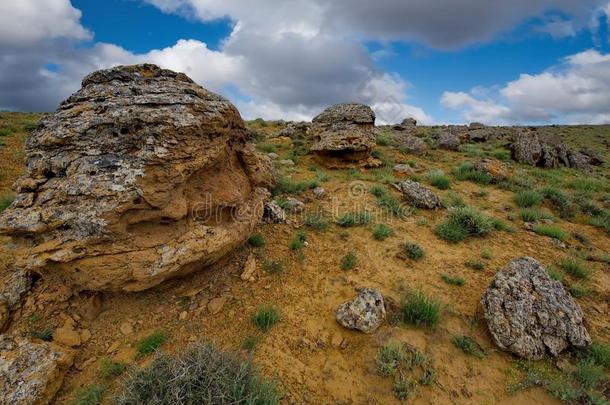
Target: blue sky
441,61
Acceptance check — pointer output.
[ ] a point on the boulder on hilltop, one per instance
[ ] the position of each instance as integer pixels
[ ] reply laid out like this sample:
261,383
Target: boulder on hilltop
139,176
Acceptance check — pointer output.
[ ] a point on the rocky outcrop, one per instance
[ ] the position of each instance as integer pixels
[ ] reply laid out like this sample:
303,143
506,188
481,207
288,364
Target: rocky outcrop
410,143
408,124
364,313
273,213
530,314
344,136
418,195
139,176
31,373
448,140
295,130
546,151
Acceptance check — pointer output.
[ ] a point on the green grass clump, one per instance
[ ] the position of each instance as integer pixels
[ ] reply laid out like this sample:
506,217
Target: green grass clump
298,242
533,215
389,357
378,191
574,268
348,262
475,265
110,369
552,231
439,180
150,343
203,374
413,251
267,147
288,186
601,220
555,273
317,222
385,138
463,223
5,202
453,200
273,266
250,343
256,240
560,202
600,354
487,254
7,130
265,317
354,219
92,395
382,232
418,309
579,291
43,333
469,346
589,374
528,198
458,281
467,172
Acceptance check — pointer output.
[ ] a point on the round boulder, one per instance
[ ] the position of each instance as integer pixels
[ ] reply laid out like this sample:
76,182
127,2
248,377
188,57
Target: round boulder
139,176
530,314
364,313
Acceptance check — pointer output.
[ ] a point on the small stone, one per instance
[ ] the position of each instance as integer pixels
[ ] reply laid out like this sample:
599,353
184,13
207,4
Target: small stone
249,268
273,213
286,162
126,328
403,169
418,195
365,313
183,315
319,192
294,205
273,156
215,305
67,337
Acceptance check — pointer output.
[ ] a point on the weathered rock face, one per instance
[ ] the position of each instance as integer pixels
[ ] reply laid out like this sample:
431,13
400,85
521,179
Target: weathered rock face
295,130
448,140
410,143
492,167
418,195
365,313
530,314
408,124
31,373
344,136
139,176
546,151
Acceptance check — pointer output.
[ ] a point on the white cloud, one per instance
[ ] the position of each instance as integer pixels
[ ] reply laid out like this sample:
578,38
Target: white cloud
577,91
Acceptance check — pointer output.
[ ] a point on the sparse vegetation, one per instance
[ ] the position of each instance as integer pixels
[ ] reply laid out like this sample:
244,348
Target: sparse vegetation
533,215
382,232
203,374
354,219
469,346
560,202
467,172
91,395
316,221
110,369
150,343
413,251
463,223
265,317
298,241
475,265
257,240
574,268
452,280
528,198
273,266
552,231
348,262
289,186
579,291
439,180
419,309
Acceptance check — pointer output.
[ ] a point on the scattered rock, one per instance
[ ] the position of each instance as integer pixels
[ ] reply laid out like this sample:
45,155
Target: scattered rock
249,268
118,169
448,140
344,136
319,192
294,205
530,314
286,162
31,372
15,284
403,169
126,328
295,130
273,213
492,167
410,143
273,156
215,305
67,337
365,313
183,315
418,195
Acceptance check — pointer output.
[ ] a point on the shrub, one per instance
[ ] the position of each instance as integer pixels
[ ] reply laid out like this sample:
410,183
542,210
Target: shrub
475,265
92,395
589,374
404,388
413,251
202,375
468,346
354,219
466,171
391,205
528,198
150,343
265,317
574,268
552,231
560,202
601,221
463,223
382,232
378,191
600,354
459,281
533,215
418,309
316,221
439,180
298,242
348,262
5,202
389,357
453,200
109,368
256,240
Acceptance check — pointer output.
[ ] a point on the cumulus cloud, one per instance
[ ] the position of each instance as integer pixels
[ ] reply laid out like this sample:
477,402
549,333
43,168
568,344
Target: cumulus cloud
576,91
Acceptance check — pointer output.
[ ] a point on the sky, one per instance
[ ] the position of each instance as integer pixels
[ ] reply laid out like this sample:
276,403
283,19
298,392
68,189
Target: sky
498,62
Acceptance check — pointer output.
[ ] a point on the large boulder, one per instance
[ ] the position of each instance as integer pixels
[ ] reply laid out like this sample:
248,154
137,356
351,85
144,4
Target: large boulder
493,167
365,313
31,372
545,150
344,136
418,195
530,314
448,140
410,143
139,176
